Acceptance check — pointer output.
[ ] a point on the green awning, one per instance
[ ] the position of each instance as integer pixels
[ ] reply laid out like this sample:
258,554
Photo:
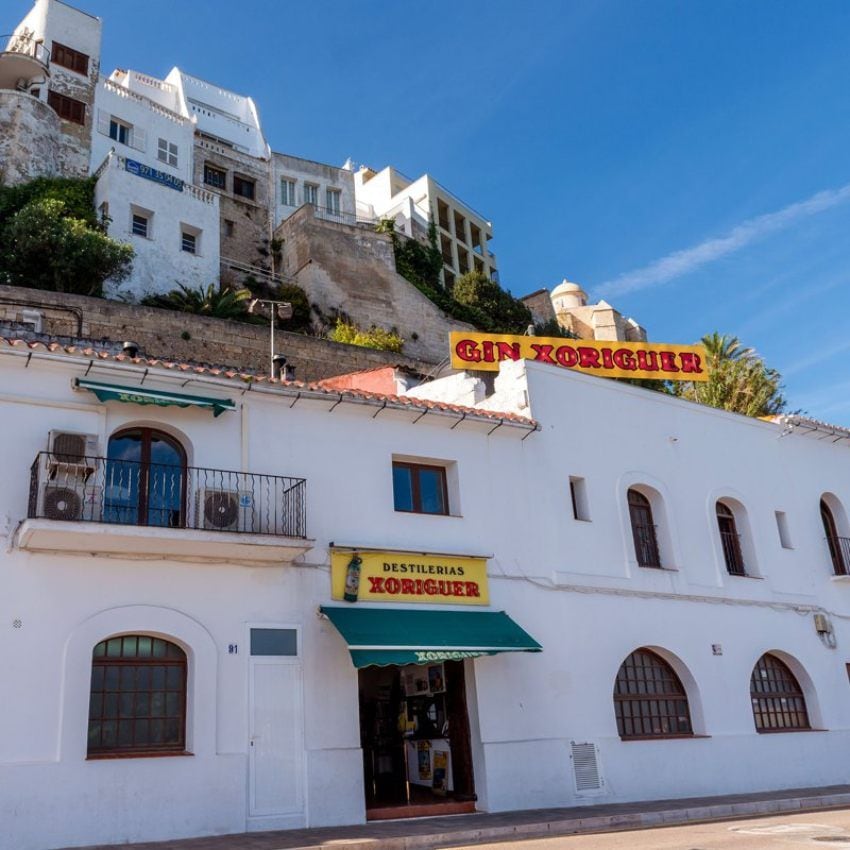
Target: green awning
378,637
143,395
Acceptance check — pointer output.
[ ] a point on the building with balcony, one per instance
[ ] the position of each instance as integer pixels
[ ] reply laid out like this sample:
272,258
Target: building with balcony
463,234
48,70
573,590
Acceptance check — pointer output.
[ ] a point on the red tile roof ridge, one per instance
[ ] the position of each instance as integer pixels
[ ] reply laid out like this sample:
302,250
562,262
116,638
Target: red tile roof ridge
250,377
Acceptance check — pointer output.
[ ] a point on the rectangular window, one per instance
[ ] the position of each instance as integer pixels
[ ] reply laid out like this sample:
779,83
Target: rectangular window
167,152
229,227
578,495
279,642
215,177
69,58
140,225
243,187
420,489
189,243
334,201
120,132
287,192
782,528
66,107
311,194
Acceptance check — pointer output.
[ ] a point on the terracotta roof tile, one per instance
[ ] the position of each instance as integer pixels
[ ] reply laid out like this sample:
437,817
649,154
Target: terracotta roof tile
252,378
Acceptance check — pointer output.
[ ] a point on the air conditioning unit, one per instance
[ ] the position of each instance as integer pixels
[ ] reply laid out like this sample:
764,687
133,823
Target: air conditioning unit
224,510
70,448
67,500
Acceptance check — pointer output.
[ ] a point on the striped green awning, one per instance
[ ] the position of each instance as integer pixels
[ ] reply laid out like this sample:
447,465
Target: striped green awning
143,395
379,637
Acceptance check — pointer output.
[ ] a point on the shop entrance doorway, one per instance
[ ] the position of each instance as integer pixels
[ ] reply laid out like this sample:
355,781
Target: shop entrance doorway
414,730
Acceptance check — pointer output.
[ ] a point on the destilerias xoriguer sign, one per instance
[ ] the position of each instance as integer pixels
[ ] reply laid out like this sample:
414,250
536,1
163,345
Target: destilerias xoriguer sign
408,577
610,359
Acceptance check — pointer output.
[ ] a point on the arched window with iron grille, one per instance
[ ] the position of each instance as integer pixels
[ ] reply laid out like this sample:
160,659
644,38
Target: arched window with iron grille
730,540
778,701
839,547
649,698
643,530
137,703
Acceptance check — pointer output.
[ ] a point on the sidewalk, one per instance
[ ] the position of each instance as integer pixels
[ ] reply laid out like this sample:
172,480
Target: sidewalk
423,833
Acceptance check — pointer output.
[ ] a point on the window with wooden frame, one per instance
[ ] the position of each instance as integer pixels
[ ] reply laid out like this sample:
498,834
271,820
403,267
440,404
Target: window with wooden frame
649,699
243,187
145,479
778,701
420,488
66,107
643,530
730,541
69,58
137,703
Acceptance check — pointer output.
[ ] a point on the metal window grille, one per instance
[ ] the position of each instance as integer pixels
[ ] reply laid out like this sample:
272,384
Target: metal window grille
137,701
215,177
643,530
140,225
649,699
730,541
777,698
189,243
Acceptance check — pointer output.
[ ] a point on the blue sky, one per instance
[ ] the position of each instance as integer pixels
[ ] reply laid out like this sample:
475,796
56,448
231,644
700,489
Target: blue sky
686,160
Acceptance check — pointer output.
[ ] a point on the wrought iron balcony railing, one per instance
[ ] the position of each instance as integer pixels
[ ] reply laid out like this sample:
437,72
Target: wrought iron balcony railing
129,492
839,550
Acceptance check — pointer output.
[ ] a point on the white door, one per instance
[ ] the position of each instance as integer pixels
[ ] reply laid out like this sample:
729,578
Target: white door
276,747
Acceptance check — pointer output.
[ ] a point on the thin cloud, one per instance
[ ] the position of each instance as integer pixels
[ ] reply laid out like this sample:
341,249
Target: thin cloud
680,263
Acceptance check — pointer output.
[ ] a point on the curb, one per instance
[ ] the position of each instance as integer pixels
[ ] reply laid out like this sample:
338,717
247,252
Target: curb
601,823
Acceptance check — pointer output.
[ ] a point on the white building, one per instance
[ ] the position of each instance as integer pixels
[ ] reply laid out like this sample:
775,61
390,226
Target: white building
463,234
632,535
301,181
143,155
48,70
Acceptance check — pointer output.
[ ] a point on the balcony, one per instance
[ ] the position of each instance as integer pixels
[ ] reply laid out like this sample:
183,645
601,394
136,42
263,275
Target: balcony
122,508
23,60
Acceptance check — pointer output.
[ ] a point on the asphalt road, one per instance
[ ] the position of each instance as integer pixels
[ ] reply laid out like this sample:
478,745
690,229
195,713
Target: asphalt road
829,829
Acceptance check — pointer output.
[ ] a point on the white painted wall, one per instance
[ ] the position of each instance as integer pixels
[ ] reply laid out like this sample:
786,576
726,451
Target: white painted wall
221,113
150,121
573,585
160,263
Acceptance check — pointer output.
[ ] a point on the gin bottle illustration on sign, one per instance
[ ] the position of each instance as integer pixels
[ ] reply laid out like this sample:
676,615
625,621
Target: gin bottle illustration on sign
352,579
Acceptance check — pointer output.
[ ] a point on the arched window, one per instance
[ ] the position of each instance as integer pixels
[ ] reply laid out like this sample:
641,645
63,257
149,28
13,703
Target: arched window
778,701
730,541
145,479
839,547
643,530
138,697
649,699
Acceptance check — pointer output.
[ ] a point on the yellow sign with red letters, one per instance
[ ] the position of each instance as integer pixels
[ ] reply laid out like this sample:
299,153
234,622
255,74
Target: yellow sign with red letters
366,576
613,359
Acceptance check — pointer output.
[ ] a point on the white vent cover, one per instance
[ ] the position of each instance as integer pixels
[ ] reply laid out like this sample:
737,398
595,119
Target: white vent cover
588,777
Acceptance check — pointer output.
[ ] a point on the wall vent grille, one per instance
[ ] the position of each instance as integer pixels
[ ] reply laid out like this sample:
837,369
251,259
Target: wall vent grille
586,767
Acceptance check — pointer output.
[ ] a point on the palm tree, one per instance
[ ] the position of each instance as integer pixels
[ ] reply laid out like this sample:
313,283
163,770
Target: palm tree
217,303
739,380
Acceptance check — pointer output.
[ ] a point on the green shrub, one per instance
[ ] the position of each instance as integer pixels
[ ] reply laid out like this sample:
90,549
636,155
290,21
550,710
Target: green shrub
377,338
45,246
505,314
